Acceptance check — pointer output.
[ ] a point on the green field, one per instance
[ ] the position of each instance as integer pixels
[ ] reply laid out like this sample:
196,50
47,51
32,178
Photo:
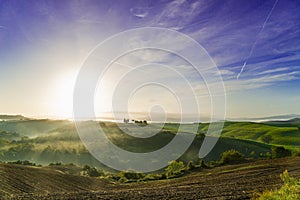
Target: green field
267,133
46,141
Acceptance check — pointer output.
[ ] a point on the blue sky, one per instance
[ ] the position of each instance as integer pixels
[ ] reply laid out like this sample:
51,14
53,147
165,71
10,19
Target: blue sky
43,44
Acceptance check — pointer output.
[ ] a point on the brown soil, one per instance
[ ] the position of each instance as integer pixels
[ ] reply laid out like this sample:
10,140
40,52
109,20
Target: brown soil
240,181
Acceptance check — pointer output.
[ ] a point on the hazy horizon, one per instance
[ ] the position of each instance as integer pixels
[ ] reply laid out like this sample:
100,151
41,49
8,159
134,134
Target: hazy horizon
172,117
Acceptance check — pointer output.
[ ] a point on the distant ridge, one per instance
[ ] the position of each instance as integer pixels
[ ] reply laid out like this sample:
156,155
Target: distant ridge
13,117
295,122
270,118
295,118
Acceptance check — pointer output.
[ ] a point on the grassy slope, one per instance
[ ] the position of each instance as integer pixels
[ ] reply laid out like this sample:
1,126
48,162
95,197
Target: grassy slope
162,138
63,145
58,141
256,131
282,133
32,128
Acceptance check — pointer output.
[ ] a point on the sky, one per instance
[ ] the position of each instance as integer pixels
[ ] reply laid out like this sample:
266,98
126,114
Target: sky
255,46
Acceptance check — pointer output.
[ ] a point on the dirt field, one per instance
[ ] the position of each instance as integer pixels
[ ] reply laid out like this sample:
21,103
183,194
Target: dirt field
227,182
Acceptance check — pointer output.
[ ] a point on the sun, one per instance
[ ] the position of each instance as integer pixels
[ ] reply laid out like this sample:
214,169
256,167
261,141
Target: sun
62,96
62,102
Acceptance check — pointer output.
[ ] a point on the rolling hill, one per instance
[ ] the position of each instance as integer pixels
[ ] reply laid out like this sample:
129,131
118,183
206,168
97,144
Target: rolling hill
32,127
51,141
240,181
46,141
18,179
263,132
62,144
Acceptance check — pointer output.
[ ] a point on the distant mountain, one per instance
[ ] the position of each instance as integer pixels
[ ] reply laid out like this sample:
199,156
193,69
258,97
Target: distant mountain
295,122
13,117
269,118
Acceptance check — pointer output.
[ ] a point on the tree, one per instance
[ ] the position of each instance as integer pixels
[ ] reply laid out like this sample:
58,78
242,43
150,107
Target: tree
279,152
266,138
92,171
252,154
131,176
190,166
174,169
231,156
202,164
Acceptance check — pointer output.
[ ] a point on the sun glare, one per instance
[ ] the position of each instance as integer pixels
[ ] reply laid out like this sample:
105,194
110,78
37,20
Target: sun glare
62,103
62,106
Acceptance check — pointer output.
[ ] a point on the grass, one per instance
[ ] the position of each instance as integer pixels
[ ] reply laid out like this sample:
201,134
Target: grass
289,191
257,131
58,141
33,127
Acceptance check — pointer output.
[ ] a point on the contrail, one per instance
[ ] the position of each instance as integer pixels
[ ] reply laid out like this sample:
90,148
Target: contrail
257,37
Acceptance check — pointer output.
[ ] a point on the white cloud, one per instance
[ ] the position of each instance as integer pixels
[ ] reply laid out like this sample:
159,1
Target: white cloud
225,72
139,12
273,70
177,14
254,83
